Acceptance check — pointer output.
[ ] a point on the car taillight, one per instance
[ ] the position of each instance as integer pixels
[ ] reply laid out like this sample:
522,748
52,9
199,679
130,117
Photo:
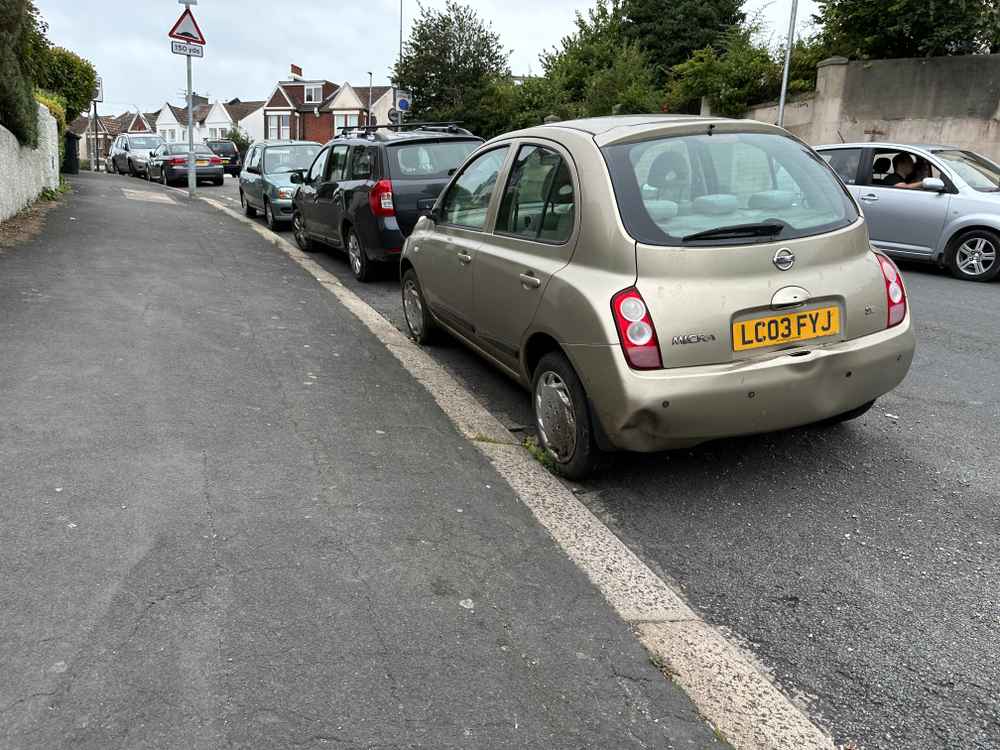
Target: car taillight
380,199
635,330
895,294
215,160
178,160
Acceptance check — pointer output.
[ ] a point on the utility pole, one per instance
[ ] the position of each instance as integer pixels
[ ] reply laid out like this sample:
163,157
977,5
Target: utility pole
192,174
94,150
368,116
788,63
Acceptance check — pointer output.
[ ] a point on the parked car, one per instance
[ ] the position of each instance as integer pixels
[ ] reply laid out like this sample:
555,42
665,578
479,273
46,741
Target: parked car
944,210
226,150
169,163
366,190
660,281
266,179
129,153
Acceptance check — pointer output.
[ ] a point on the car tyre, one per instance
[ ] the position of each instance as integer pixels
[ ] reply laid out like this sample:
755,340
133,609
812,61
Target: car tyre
269,219
163,177
219,181
361,266
847,416
248,210
419,320
301,238
562,417
974,255
131,169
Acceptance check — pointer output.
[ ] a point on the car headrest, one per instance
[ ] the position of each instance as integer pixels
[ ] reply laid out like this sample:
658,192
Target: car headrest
882,165
663,165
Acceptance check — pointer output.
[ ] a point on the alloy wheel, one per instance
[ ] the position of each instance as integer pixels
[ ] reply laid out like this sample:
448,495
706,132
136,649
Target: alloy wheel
354,253
976,256
556,416
413,307
268,215
297,229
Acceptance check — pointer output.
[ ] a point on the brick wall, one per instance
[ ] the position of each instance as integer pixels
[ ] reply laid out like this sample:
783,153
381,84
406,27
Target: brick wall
319,129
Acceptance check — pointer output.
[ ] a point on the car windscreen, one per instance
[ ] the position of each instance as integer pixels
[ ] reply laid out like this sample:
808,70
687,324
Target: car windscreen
982,175
725,188
145,142
425,160
223,148
182,148
278,159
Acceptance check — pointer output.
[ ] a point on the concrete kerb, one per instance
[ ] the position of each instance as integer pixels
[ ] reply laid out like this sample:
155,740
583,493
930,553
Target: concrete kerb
725,685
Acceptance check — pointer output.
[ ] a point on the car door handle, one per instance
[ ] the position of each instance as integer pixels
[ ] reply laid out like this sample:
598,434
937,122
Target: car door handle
464,257
528,281
869,197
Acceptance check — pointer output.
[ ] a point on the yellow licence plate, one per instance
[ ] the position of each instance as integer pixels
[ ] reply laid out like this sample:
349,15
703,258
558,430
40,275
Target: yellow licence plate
201,163
783,329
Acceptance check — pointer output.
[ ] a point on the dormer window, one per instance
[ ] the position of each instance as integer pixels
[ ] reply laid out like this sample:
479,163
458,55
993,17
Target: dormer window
314,94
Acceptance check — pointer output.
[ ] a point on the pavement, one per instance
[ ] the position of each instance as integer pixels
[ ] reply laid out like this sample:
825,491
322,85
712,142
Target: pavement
857,564
230,518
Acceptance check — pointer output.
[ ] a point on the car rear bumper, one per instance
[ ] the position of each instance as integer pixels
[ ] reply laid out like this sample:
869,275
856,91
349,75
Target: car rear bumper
664,409
202,173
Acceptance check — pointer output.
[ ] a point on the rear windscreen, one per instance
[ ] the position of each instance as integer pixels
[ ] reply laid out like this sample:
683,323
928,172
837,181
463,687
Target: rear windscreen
670,190
150,142
427,160
225,149
182,148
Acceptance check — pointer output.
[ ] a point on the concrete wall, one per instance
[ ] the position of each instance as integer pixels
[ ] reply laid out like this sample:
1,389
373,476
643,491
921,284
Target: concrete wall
952,100
25,172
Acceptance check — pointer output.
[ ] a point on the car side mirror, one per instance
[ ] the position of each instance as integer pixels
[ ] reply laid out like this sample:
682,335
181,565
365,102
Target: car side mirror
295,178
932,184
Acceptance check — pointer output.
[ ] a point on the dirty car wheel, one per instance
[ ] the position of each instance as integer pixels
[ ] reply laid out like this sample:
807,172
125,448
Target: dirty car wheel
248,210
301,238
562,416
418,317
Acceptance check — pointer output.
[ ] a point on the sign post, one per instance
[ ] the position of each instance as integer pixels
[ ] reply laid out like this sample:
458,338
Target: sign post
189,40
97,97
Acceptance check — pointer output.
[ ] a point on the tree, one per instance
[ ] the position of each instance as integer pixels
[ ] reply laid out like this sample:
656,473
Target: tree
669,31
69,75
624,88
22,43
450,64
240,140
742,74
908,28
590,49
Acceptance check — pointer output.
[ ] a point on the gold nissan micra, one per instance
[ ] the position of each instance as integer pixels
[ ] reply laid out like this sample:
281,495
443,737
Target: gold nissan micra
658,281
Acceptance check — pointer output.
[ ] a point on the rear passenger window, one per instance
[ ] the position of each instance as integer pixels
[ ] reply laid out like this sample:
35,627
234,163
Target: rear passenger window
538,202
361,163
468,199
845,162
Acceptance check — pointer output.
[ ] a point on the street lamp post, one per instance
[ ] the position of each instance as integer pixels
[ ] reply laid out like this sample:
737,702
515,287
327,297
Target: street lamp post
788,62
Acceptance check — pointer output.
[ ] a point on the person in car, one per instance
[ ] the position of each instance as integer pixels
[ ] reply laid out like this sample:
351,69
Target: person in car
904,173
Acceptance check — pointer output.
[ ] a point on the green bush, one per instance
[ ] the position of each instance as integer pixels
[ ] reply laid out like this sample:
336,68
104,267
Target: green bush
57,106
21,39
70,76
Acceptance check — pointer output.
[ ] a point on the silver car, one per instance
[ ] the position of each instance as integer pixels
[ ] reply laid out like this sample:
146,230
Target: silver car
939,204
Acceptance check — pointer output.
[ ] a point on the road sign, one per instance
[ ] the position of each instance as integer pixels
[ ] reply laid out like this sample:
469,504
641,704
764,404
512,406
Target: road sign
186,29
403,101
98,91
183,48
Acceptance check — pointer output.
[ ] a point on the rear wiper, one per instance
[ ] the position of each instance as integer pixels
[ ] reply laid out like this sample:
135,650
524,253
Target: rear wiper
758,229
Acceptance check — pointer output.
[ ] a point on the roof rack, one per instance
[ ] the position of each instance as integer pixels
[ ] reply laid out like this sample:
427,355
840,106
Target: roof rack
371,131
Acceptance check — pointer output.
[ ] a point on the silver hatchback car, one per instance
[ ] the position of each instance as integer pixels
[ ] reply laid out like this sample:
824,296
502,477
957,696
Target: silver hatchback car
939,204
660,281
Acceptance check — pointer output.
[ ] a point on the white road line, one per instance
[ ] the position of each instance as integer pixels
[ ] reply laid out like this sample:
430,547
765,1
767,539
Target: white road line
728,689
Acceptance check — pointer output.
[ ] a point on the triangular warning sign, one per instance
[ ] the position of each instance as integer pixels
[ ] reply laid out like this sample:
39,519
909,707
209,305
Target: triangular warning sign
186,29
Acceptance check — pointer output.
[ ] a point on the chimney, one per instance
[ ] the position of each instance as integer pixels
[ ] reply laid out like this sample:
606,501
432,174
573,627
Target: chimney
296,73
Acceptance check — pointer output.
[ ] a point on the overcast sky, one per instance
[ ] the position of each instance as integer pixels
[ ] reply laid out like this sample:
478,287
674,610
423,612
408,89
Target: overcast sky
250,43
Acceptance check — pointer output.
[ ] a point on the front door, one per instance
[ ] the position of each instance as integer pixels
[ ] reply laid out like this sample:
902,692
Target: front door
325,212
906,221
253,179
305,196
534,237
451,249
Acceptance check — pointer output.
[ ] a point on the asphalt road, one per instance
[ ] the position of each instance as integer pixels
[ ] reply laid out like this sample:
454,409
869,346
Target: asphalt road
858,563
230,519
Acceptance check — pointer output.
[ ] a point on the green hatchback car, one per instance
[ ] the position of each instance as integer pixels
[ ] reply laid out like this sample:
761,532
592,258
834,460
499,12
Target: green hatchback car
265,182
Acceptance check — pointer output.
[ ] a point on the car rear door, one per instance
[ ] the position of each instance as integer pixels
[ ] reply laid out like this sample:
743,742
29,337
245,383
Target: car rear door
903,221
450,250
534,236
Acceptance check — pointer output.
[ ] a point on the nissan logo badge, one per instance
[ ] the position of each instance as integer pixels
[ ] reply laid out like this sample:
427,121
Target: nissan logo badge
784,259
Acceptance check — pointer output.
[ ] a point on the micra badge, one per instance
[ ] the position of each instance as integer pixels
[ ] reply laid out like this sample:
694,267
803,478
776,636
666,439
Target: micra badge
692,338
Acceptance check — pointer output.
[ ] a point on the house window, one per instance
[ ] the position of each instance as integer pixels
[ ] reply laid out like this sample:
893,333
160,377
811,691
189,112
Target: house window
277,126
314,94
344,121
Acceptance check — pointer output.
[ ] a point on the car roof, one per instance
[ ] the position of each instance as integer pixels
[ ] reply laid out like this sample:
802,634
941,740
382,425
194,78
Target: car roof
286,142
889,145
388,136
598,125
